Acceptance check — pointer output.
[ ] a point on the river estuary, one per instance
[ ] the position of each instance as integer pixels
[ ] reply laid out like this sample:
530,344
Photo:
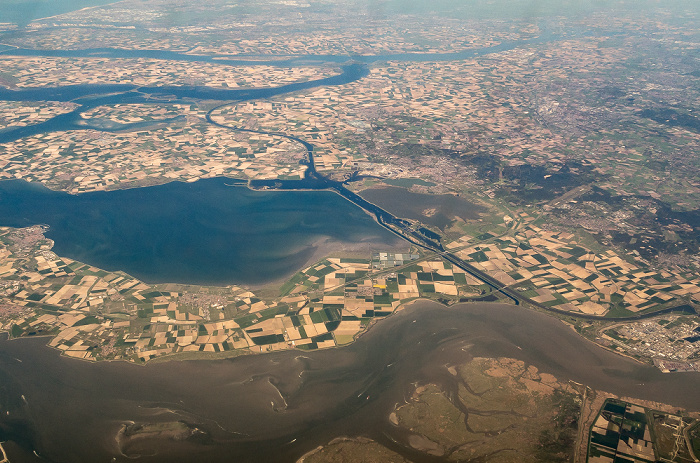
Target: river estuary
273,407
278,406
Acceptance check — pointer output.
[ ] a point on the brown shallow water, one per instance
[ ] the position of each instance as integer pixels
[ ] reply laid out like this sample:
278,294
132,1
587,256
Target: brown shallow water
436,210
276,407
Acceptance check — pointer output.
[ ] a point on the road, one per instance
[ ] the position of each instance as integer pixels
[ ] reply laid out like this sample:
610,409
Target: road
410,231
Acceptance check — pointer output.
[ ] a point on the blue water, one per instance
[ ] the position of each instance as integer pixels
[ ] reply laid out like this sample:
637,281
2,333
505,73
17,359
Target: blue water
206,232
93,95
23,12
237,60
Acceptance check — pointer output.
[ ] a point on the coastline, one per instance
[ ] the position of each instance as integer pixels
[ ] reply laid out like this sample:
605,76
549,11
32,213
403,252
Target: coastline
73,11
396,352
323,248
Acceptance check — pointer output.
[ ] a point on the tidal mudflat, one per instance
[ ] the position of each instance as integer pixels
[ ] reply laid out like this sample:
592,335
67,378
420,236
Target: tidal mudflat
276,407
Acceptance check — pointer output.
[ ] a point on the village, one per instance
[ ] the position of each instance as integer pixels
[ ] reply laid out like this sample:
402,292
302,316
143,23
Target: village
98,315
544,161
502,129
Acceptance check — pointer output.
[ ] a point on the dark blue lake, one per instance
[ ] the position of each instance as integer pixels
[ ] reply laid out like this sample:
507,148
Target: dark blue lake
207,232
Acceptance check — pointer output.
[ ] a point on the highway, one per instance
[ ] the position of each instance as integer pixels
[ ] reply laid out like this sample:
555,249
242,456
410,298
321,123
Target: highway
410,231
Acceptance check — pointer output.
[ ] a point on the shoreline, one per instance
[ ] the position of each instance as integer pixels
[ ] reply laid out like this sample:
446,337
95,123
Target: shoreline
501,320
324,248
73,11
193,356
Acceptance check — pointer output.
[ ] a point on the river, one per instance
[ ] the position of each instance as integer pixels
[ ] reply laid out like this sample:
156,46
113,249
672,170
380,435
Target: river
276,407
253,407
299,60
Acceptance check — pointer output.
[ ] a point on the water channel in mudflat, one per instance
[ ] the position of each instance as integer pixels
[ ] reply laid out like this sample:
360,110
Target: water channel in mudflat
275,407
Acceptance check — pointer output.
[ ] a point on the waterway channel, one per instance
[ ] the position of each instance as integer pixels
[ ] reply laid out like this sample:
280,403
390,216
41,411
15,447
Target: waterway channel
278,406
89,96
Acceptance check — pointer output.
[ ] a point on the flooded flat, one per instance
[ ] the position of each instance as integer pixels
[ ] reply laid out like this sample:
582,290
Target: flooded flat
435,210
276,407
